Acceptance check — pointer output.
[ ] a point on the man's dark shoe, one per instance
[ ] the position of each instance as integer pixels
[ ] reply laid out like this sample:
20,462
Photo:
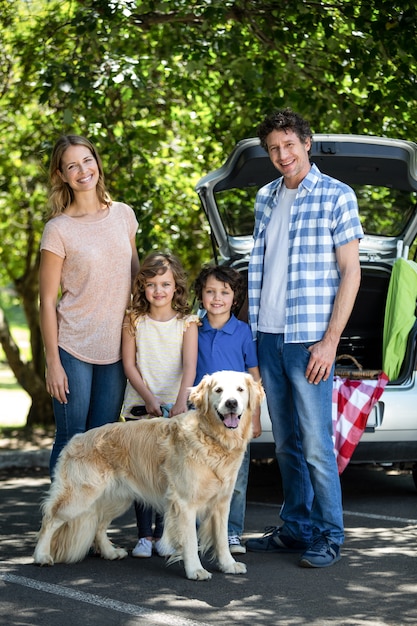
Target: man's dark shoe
322,553
275,541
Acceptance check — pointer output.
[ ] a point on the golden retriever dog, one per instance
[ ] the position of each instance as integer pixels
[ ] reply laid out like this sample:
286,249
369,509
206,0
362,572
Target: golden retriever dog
185,467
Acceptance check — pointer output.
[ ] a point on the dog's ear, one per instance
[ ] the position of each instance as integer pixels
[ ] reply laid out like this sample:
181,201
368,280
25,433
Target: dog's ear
199,395
256,392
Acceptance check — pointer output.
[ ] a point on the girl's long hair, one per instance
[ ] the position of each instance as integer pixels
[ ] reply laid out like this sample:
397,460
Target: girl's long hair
159,263
61,195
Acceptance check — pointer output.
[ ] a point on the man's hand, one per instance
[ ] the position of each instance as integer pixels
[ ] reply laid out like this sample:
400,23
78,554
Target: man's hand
323,354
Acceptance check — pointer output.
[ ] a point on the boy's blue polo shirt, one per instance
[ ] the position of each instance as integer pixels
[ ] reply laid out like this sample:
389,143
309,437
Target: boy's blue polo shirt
229,348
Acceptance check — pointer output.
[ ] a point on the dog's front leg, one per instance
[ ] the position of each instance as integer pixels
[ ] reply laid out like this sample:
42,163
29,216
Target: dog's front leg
226,562
192,564
42,554
180,530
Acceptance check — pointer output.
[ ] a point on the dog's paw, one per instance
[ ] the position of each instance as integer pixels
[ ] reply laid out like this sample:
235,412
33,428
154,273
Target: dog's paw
43,560
199,574
114,554
235,568
121,553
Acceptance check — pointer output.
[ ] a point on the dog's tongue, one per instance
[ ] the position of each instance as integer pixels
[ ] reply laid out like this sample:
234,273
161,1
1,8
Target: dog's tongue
231,420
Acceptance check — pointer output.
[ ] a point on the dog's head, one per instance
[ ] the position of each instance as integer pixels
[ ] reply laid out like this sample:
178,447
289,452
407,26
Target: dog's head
229,395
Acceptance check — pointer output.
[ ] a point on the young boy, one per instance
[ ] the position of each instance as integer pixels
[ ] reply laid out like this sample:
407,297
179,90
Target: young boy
226,343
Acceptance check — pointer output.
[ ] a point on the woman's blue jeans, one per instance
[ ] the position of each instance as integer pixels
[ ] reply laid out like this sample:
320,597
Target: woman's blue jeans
95,398
301,416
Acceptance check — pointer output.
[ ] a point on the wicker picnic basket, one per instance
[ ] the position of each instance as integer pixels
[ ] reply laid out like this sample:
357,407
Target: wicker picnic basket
354,369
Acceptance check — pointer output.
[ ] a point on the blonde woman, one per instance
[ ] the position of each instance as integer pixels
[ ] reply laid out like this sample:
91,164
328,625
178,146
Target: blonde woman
88,261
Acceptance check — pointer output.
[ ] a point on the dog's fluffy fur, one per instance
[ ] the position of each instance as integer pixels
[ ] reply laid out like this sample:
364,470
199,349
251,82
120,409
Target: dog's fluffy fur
185,467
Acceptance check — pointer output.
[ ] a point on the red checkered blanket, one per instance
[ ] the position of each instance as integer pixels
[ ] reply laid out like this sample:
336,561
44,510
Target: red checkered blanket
353,401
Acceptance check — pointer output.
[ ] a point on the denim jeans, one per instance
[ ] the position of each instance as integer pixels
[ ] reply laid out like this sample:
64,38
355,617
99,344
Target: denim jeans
301,416
95,398
236,521
144,515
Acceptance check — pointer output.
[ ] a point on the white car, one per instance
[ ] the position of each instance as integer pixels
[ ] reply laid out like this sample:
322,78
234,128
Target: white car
383,173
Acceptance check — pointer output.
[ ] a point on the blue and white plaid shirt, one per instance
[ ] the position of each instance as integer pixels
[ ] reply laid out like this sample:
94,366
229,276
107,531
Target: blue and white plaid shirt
323,217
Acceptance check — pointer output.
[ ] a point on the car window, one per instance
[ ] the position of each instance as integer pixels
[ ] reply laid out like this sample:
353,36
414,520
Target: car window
383,211
236,210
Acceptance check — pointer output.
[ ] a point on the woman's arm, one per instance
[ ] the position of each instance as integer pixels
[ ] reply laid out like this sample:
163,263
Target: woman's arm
189,368
152,404
49,282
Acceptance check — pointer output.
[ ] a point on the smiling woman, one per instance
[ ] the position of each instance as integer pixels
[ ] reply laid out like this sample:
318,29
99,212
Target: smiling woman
88,253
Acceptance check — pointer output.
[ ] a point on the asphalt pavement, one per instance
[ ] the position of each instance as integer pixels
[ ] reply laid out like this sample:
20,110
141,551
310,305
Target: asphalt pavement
375,583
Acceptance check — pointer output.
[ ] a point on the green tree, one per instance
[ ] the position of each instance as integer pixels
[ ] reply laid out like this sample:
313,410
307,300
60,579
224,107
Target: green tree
165,89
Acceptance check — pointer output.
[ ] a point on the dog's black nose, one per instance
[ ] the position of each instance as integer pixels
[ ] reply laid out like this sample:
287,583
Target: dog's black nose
231,404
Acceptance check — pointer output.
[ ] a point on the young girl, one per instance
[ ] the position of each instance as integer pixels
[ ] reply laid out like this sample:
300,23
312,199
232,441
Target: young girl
225,343
159,349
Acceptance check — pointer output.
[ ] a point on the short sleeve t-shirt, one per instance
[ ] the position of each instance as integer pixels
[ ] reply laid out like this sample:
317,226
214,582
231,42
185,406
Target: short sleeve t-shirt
95,281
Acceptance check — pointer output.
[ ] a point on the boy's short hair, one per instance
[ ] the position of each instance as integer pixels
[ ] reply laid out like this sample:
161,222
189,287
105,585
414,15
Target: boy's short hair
223,274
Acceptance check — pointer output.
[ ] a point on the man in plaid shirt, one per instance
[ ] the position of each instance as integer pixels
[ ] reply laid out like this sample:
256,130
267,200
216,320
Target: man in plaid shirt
304,275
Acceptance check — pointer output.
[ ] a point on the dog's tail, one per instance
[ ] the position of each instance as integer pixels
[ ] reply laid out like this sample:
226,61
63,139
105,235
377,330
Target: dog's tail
73,540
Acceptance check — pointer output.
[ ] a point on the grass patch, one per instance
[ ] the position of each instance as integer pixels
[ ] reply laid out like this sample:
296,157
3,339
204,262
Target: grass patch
19,330
7,381
14,401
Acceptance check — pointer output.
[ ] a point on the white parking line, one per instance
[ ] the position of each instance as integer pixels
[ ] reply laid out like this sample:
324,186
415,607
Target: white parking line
154,617
384,518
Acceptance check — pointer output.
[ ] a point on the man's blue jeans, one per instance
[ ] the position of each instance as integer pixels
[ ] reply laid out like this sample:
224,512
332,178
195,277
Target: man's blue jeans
301,416
95,398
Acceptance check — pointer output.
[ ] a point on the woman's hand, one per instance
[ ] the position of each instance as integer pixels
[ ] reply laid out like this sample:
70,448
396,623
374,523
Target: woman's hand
57,383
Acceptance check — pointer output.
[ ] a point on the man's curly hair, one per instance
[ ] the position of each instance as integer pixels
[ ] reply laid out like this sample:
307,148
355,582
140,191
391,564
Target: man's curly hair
286,120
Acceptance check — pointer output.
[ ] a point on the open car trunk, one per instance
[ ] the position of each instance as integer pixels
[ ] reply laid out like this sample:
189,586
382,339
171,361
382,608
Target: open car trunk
383,169
383,174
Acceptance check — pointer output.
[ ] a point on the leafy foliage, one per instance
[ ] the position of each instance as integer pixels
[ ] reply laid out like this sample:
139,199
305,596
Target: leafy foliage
166,88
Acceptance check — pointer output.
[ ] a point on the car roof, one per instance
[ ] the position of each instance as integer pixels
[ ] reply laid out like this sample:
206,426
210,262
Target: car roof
354,159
